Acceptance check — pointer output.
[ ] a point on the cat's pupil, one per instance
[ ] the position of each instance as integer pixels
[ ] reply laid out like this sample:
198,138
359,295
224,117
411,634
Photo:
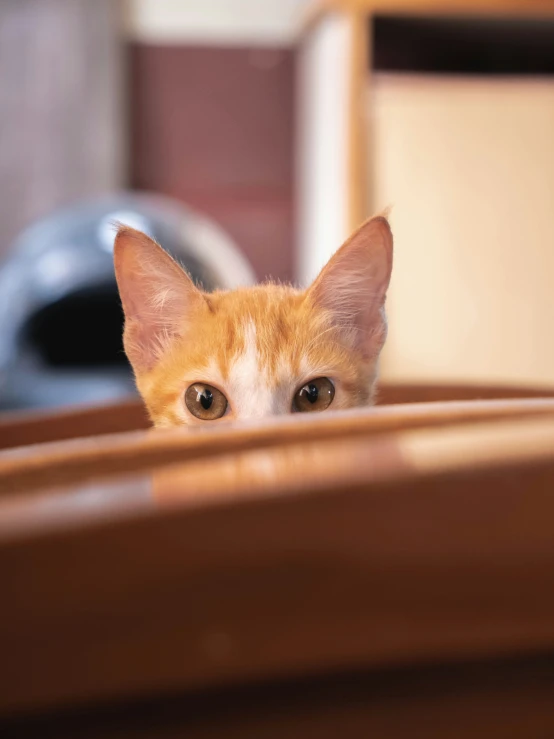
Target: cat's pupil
312,392
206,399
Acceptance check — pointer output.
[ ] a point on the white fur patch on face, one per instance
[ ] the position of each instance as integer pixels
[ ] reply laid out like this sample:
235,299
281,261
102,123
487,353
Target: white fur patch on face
249,391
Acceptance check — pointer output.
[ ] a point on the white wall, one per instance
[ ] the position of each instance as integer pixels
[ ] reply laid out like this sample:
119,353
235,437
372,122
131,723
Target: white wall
322,144
228,22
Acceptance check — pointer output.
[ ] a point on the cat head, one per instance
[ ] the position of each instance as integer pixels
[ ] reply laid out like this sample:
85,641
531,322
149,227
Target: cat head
259,351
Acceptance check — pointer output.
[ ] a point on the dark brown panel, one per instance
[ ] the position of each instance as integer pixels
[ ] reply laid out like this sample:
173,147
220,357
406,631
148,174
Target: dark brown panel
214,128
414,566
463,45
497,700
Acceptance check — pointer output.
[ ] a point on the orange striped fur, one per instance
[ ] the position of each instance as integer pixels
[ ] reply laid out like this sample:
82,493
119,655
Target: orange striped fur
256,345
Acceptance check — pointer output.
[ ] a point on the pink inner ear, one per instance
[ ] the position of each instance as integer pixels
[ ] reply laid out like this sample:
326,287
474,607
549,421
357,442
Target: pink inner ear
156,294
353,285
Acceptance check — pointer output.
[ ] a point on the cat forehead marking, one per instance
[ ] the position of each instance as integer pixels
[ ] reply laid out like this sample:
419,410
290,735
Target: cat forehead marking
253,393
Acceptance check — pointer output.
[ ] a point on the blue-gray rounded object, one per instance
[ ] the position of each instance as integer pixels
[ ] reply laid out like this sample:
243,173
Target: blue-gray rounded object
60,315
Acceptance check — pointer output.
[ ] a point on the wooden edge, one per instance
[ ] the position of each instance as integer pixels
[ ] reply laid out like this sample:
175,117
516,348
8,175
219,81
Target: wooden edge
444,564
320,8
359,182
359,205
76,461
390,455
31,427
404,393
279,470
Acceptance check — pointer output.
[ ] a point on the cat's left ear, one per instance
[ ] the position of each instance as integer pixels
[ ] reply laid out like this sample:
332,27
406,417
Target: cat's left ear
158,297
352,286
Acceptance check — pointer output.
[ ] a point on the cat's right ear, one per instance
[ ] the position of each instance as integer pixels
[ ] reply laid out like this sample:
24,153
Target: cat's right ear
352,286
158,297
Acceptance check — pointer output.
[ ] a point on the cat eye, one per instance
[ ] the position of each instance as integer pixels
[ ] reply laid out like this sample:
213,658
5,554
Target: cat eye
316,395
205,402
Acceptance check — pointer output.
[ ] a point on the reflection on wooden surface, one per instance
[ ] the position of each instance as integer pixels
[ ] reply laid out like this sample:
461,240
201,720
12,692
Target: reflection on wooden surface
281,470
311,467
288,579
91,503
18,429
77,461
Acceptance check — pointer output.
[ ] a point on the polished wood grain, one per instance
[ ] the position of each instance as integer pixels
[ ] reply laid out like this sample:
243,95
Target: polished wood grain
424,546
26,428
32,427
360,205
77,461
372,455
440,392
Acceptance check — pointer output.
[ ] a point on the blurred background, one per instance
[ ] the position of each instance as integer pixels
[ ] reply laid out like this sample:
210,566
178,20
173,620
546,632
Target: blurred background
250,137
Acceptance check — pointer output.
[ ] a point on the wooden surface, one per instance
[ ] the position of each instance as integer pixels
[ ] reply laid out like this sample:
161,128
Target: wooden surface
504,700
78,461
382,572
360,203
18,429
406,117
531,8
348,567
24,428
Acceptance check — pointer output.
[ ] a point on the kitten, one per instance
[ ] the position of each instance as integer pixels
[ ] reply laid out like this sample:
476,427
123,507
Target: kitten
259,351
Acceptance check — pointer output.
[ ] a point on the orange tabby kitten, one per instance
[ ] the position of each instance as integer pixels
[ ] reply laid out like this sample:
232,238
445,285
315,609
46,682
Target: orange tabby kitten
259,351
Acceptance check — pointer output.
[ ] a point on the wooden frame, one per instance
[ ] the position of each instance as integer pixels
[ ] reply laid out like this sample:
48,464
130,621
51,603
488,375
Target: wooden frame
354,14
438,556
30,428
78,461
437,7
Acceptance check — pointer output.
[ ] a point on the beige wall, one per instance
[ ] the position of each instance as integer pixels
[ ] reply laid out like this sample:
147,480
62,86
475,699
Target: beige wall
469,167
